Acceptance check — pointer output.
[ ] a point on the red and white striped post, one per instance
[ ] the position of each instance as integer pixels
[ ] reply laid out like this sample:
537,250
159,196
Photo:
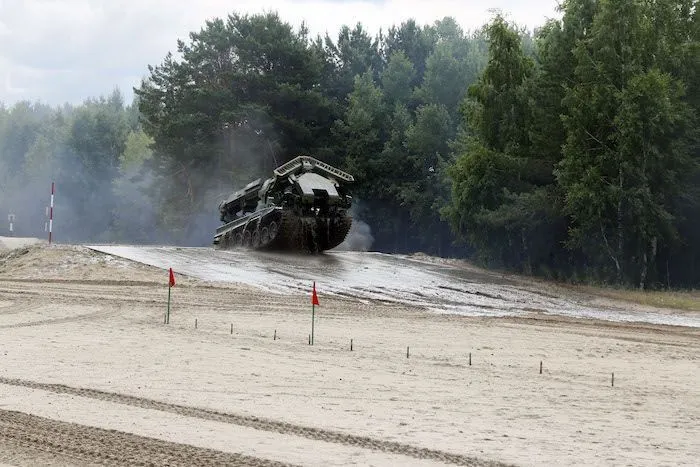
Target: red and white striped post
53,189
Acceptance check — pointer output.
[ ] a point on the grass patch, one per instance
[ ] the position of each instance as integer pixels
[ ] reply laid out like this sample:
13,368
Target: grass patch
689,301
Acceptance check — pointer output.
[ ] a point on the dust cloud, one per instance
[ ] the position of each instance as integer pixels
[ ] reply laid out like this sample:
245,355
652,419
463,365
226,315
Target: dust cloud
359,238
164,199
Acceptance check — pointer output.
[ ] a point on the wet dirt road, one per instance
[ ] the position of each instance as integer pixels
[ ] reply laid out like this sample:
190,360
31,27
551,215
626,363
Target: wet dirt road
439,286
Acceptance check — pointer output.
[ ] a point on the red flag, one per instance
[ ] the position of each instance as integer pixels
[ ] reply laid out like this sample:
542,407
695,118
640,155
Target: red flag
172,278
314,297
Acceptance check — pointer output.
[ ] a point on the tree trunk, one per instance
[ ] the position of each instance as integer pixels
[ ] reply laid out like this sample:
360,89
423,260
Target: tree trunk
405,238
526,251
643,273
611,253
620,227
397,233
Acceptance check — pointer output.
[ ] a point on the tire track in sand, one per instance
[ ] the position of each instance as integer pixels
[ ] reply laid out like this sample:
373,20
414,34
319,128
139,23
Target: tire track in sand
87,291
92,445
47,321
259,423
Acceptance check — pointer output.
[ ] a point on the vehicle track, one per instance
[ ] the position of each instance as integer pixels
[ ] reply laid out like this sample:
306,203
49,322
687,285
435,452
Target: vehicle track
258,423
102,314
87,292
91,445
215,298
16,308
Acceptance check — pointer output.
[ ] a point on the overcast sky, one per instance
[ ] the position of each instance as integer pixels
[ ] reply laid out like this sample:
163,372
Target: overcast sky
57,51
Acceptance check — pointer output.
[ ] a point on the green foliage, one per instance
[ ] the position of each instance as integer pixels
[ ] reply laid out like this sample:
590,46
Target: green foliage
496,186
250,93
592,147
78,147
415,42
353,53
397,130
627,155
137,150
397,79
244,98
134,215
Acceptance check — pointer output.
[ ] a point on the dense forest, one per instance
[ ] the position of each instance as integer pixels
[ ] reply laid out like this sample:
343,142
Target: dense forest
570,152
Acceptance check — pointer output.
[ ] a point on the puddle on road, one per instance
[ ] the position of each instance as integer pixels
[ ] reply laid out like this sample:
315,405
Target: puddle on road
376,276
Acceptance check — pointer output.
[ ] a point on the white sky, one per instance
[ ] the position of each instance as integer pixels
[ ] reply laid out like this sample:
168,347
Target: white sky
57,51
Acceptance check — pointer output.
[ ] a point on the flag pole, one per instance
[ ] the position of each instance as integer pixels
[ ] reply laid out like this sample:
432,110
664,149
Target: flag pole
167,316
313,312
171,283
314,302
53,190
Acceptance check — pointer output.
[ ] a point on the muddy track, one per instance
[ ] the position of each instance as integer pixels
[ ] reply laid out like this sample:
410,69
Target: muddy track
86,445
258,423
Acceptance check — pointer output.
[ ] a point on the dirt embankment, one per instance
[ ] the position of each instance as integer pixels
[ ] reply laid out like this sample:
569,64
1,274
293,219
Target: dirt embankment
10,243
73,263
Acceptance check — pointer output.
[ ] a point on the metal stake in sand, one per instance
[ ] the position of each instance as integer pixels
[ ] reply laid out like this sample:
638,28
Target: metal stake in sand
540,366
612,382
314,302
11,219
53,189
171,284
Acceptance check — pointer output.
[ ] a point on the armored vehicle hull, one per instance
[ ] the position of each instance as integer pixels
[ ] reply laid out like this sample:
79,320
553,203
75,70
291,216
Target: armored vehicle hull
303,207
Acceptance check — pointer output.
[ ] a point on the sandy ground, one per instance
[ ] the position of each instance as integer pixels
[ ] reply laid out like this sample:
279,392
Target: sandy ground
83,349
9,243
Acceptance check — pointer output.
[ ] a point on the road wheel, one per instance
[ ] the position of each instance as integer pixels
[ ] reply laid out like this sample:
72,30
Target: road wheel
273,229
246,238
256,238
227,240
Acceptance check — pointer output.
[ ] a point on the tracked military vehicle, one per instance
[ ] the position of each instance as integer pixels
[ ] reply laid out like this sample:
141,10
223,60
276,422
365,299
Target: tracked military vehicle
303,207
